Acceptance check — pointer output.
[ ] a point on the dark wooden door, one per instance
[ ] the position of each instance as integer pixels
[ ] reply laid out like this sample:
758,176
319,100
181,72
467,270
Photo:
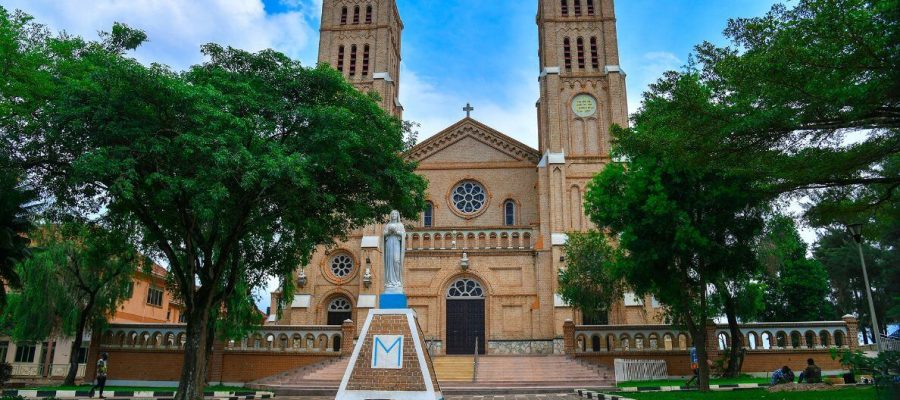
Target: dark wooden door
465,324
338,317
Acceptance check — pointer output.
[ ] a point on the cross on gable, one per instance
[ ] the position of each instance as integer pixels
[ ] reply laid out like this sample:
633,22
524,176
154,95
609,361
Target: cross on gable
468,109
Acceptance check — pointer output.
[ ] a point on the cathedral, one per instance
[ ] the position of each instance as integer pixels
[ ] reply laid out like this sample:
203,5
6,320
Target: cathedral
483,258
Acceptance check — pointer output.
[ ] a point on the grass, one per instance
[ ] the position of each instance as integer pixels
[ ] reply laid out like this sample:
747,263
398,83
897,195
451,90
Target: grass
867,393
681,382
135,388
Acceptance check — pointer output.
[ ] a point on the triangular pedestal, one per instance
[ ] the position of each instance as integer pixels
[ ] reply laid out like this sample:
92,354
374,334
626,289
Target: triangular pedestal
389,361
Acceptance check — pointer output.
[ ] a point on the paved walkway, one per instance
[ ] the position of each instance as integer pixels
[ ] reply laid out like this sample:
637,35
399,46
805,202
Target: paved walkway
491,397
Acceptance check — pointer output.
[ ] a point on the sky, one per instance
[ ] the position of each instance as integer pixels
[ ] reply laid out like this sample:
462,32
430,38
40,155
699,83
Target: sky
454,51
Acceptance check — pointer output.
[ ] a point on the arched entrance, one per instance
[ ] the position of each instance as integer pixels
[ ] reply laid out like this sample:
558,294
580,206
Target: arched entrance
339,310
465,317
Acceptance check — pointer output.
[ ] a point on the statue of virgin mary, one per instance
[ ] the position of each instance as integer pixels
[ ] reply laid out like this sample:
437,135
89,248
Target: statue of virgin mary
394,243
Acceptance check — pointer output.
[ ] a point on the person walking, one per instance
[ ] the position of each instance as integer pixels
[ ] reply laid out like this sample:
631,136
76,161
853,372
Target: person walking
102,369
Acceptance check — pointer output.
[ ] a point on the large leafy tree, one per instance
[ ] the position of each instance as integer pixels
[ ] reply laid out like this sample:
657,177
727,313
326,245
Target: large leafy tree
78,276
16,203
798,287
230,171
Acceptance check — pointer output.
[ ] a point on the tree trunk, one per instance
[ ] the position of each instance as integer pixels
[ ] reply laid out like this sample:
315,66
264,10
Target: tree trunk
76,348
699,338
193,369
736,355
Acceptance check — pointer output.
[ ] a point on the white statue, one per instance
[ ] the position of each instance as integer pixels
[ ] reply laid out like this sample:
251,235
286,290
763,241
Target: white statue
394,242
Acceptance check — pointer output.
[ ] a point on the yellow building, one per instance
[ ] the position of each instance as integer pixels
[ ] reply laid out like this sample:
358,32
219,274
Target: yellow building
482,261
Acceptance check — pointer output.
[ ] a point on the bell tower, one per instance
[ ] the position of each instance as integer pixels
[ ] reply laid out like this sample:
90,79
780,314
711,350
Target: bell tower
361,39
582,93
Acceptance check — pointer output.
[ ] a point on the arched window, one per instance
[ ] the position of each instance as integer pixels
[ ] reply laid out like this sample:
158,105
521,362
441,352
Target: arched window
580,53
567,54
344,16
353,60
465,288
509,213
356,15
590,7
577,7
428,214
340,61
564,7
365,68
369,14
595,59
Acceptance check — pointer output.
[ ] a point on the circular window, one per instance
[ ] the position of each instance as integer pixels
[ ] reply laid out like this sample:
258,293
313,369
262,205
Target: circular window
468,197
341,265
465,288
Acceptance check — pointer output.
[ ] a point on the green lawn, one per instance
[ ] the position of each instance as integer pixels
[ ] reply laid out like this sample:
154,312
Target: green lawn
135,388
681,382
867,393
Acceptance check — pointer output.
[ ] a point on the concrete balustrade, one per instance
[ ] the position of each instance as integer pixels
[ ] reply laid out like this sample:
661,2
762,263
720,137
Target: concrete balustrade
470,239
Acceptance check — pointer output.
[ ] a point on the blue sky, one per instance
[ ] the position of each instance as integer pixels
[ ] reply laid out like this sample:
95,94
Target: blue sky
454,51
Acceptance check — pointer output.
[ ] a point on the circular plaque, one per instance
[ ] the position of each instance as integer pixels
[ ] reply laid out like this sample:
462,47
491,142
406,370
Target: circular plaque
584,105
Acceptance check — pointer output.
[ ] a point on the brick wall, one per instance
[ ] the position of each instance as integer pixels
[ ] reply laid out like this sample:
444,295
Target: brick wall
148,365
677,362
246,367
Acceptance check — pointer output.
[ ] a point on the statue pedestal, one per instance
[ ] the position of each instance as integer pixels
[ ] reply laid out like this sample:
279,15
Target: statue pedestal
389,360
392,301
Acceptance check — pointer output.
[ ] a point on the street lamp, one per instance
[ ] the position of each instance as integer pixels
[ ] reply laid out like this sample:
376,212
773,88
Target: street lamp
856,232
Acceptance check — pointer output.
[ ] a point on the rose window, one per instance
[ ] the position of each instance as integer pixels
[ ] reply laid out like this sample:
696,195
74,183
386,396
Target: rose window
341,265
468,197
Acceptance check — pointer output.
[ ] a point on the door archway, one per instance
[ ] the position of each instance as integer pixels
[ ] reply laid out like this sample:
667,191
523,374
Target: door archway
339,310
465,317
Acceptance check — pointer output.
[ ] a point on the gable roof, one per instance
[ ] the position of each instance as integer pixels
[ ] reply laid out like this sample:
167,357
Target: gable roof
470,128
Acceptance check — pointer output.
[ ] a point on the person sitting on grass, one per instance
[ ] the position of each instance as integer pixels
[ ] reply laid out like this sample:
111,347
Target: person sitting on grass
782,375
812,373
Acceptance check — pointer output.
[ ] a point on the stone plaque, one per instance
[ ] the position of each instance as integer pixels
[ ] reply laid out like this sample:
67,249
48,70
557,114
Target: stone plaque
584,105
387,352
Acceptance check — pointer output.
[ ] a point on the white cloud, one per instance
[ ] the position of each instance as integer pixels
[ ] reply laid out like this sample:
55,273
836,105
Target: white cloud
437,108
177,28
650,68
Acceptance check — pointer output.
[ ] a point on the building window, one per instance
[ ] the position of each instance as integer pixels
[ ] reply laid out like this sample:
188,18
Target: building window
4,350
590,7
25,353
353,60
356,15
428,215
567,54
182,318
595,59
365,67
168,315
580,43
130,290
340,63
154,296
565,7
577,7
509,213
465,288
469,197
369,14
344,16
341,265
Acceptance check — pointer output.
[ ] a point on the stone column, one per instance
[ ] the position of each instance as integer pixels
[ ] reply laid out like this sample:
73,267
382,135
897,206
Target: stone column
348,331
802,340
216,361
569,337
852,338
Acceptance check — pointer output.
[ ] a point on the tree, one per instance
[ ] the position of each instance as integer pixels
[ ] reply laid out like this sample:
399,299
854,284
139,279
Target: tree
798,287
230,171
16,204
79,275
838,253
589,280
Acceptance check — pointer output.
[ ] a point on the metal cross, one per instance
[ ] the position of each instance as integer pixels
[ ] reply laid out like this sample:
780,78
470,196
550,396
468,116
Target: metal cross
468,109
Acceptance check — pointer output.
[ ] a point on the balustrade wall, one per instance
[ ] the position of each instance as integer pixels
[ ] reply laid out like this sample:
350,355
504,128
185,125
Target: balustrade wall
469,240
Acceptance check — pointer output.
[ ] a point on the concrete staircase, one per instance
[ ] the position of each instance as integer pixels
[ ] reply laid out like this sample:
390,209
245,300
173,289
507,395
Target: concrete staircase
495,375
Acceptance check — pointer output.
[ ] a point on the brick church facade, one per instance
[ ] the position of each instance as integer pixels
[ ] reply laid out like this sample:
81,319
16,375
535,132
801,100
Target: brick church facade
482,261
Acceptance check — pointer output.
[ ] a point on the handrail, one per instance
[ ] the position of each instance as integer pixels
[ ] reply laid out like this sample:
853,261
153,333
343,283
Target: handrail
475,366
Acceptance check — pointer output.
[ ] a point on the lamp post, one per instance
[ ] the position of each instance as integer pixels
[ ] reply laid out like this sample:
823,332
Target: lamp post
856,232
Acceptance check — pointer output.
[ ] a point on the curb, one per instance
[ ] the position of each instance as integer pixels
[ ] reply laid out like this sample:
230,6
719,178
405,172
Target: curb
686,388
237,395
590,394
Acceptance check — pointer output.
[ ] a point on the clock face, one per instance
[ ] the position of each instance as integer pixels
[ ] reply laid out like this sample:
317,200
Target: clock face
584,105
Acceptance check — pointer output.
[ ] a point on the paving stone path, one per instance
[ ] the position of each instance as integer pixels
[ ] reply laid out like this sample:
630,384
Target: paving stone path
490,397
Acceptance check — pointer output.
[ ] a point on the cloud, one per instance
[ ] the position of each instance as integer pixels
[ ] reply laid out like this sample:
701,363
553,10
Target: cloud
177,28
436,108
650,68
